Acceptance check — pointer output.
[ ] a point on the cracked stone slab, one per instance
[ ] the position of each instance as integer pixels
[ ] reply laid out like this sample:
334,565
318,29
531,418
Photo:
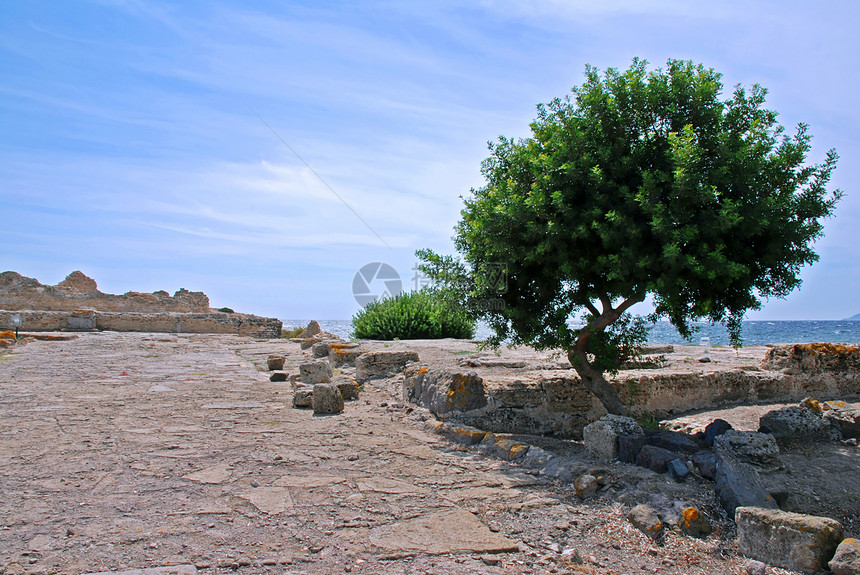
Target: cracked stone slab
451,531
390,486
308,482
270,500
234,405
214,475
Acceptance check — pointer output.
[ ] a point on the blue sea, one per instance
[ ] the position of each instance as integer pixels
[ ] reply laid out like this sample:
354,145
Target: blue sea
754,332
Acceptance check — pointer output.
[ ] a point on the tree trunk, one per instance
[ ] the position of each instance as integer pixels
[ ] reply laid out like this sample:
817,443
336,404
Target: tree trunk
595,382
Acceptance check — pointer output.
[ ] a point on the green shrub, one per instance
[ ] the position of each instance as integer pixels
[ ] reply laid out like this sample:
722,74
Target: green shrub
225,310
412,315
289,333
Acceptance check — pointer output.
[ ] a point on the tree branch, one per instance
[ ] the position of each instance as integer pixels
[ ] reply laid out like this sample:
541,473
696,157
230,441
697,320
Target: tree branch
592,309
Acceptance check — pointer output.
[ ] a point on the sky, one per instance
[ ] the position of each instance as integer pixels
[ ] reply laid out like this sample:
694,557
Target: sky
265,152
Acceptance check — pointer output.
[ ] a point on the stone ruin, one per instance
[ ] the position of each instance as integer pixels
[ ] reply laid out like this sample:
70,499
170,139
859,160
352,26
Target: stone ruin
76,304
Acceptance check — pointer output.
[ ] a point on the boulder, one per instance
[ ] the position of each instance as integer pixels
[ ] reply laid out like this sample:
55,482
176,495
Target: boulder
303,396
739,485
715,428
315,372
645,519
706,463
842,417
278,376
759,449
846,561
673,441
444,391
586,486
348,390
310,342
327,399
312,330
275,362
796,425
629,447
601,436
655,458
792,541
377,364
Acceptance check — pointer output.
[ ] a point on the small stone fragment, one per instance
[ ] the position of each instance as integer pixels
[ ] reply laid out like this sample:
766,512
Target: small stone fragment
677,469
753,567
714,429
275,362
278,376
693,523
586,486
846,561
645,519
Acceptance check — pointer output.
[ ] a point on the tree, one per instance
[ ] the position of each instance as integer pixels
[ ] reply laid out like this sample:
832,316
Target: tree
639,183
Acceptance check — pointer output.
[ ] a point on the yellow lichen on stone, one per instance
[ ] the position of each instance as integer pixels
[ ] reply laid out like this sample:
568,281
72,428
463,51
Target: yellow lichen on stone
812,404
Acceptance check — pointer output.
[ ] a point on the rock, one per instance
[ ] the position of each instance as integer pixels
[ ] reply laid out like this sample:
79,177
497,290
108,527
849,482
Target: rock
677,469
323,336
847,558
601,436
758,449
797,425
320,348
462,434
655,458
444,391
645,519
348,390
585,486
503,447
789,540
753,567
842,417
706,462
715,428
738,485
376,364
341,354
315,372
303,397
694,523
275,362
327,399
536,458
571,556
312,330
278,376
629,447
673,441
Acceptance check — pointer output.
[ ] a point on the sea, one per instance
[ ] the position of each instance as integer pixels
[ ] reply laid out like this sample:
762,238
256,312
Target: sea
753,333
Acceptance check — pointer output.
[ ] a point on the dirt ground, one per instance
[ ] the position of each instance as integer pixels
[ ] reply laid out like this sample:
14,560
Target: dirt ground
123,451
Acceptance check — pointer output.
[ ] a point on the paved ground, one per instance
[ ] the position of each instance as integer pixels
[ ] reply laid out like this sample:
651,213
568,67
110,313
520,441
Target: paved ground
124,451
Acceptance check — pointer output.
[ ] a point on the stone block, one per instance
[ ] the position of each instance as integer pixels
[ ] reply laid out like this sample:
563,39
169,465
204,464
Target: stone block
601,436
315,372
693,523
585,486
303,397
629,447
738,485
343,354
794,424
792,541
444,391
327,399
759,449
348,390
378,364
278,376
677,469
706,463
673,441
275,362
655,458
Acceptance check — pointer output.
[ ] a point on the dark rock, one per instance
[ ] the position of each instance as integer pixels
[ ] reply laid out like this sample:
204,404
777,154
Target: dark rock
706,462
655,458
677,469
794,424
673,441
759,449
629,447
715,428
278,376
738,485
693,523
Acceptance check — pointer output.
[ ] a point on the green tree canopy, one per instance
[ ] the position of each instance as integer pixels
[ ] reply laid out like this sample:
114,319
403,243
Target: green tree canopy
640,182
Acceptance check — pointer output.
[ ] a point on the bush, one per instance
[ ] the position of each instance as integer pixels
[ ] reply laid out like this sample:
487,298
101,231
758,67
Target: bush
225,310
289,333
412,315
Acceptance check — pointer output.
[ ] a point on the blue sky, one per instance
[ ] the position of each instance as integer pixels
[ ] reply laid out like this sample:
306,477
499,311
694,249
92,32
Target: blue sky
135,140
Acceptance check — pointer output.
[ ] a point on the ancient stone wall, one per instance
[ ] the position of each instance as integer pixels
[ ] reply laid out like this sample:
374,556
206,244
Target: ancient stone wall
78,291
164,322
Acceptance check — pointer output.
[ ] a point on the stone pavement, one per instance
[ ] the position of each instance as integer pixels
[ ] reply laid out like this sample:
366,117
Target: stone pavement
129,451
